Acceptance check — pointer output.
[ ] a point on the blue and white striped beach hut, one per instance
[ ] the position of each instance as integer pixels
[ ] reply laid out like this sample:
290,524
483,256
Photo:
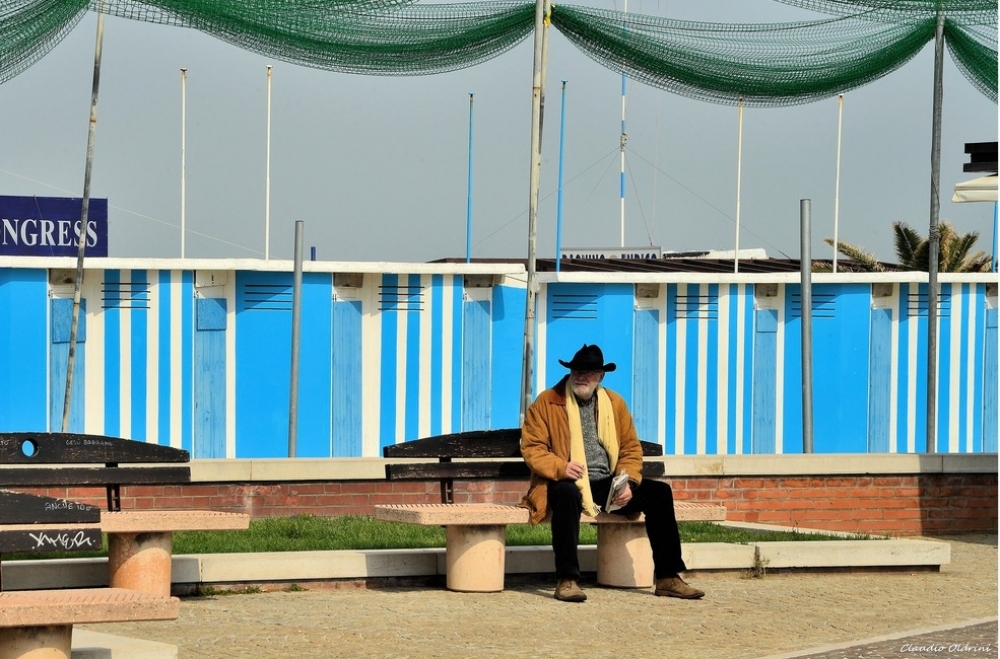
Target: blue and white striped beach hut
196,354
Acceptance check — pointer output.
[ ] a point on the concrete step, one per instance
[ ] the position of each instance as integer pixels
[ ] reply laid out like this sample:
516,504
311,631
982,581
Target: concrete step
94,645
291,567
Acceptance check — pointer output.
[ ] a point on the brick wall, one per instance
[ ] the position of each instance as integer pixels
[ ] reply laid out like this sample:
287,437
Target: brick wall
934,504
897,504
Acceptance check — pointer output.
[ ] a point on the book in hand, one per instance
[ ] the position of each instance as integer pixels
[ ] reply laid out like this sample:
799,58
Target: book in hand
618,485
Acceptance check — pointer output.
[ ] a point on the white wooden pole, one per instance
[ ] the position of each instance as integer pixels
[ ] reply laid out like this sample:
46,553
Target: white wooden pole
836,193
739,183
183,157
267,175
468,206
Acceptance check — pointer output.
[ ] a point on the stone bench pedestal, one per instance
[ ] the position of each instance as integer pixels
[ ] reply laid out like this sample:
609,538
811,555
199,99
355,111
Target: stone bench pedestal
624,557
475,558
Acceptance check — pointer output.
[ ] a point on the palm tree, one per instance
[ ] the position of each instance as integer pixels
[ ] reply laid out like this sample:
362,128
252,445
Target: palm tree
912,251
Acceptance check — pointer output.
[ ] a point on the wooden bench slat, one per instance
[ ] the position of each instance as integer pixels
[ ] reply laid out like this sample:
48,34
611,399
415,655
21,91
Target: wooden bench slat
457,470
33,523
22,508
504,443
497,454
650,449
498,470
475,444
31,608
49,538
653,469
98,476
67,448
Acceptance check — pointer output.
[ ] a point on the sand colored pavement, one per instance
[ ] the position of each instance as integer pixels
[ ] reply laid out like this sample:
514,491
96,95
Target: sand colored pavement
815,614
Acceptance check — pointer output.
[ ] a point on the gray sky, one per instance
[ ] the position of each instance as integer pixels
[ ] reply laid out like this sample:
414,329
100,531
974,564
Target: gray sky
377,167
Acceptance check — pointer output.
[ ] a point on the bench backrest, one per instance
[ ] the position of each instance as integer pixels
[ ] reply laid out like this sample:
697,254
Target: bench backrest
491,455
30,459
32,523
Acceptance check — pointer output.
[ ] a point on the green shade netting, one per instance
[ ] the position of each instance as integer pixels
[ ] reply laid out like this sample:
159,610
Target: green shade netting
764,64
29,29
893,10
975,59
775,64
371,37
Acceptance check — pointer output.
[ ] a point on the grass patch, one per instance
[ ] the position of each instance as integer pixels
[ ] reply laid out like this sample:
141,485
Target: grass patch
709,532
309,533
312,533
211,591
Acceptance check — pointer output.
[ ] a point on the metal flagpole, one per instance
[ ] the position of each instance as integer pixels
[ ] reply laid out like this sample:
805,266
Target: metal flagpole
934,236
84,211
805,274
534,174
267,174
183,153
836,193
739,181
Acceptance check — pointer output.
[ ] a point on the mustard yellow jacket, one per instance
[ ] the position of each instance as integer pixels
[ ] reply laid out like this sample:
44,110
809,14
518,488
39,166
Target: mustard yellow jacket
545,445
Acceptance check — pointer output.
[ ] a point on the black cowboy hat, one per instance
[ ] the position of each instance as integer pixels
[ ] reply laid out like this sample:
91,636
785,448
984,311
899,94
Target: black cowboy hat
589,358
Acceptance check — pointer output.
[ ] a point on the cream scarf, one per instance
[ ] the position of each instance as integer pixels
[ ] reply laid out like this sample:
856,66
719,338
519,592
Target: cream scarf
607,435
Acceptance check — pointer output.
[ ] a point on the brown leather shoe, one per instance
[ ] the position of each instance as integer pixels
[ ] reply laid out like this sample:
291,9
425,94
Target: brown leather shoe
567,590
676,587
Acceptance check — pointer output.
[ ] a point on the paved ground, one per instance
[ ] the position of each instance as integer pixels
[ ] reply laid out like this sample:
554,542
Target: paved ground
820,616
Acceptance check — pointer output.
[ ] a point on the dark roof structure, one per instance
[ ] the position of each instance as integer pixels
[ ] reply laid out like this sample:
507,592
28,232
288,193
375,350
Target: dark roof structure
689,265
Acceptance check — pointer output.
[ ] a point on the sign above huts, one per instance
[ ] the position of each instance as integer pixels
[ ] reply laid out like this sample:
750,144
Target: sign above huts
50,226
606,253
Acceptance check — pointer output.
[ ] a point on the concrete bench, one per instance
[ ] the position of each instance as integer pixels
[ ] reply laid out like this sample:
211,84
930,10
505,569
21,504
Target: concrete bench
476,532
39,624
139,541
475,540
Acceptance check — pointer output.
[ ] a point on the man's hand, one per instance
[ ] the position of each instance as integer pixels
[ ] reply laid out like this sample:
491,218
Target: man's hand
574,470
625,496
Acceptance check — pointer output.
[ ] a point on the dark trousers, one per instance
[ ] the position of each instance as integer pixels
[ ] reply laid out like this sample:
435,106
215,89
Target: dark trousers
654,499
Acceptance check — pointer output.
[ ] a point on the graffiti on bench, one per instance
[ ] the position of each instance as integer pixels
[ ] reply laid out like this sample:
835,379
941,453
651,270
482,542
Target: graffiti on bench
65,541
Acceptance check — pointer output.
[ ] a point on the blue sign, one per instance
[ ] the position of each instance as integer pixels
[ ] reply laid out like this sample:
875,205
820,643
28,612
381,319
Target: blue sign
50,226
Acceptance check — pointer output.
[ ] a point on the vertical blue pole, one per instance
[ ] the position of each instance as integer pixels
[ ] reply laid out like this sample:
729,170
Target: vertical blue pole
559,204
468,210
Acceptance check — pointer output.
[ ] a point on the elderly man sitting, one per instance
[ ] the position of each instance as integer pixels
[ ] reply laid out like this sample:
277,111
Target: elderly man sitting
576,437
